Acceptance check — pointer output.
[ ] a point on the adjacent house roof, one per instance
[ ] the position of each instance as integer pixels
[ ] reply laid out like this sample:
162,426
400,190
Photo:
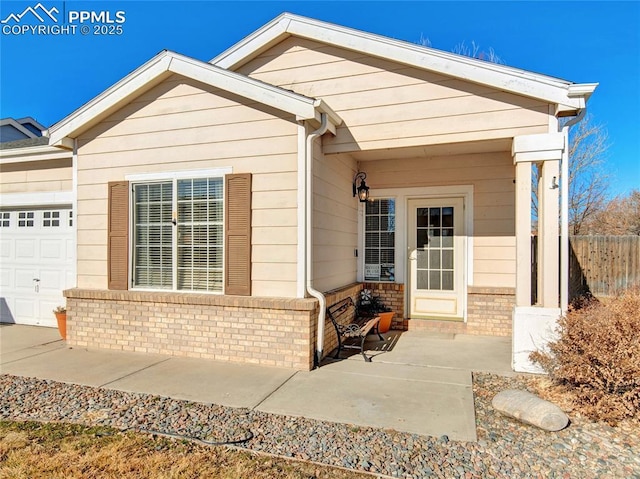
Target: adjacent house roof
26,143
567,95
12,129
167,63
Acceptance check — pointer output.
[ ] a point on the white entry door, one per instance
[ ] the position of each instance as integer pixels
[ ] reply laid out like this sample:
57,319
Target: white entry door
436,258
37,261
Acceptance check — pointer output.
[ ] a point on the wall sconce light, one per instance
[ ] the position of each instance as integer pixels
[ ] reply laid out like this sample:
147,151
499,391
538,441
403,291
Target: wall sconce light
363,190
554,183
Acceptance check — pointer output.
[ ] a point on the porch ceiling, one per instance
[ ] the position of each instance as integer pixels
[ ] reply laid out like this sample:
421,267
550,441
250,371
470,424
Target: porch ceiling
487,146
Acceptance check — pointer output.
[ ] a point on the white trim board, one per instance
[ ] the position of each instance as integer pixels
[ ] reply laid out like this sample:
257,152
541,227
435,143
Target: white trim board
37,199
176,175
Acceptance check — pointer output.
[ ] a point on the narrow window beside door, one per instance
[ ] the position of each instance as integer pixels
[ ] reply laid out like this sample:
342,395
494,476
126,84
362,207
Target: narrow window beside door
379,250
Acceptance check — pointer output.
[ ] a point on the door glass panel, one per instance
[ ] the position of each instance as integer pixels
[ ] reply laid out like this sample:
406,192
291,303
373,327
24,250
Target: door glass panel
434,259
434,238
447,259
434,217
423,279
447,238
435,248
447,217
434,279
422,217
447,280
423,259
422,240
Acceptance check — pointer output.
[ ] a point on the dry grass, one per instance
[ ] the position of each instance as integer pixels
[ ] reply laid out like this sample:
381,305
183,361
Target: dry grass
29,449
596,359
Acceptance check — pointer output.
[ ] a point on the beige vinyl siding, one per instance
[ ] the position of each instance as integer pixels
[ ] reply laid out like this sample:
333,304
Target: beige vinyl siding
491,175
36,176
386,104
181,125
335,221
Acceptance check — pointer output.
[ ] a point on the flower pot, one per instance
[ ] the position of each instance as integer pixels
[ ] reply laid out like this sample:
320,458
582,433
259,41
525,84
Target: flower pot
62,324
385,321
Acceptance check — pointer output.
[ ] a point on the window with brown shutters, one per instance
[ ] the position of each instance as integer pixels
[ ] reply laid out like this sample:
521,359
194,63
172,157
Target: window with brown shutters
118,235
238,234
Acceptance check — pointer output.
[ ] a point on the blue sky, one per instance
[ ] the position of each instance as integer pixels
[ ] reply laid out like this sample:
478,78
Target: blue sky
48,76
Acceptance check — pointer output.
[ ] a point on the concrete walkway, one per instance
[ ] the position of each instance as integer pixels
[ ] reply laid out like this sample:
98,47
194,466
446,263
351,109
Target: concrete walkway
418,382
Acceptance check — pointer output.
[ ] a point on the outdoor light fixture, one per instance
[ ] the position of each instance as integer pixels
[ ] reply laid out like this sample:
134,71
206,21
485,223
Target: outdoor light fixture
363,190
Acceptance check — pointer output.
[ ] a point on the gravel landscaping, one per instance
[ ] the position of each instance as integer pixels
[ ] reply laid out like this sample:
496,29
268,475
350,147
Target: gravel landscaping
505,448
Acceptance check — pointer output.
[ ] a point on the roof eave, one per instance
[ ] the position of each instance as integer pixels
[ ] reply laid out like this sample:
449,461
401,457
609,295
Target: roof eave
31,154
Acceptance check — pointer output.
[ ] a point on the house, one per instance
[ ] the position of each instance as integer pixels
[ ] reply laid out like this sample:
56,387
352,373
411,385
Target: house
216,214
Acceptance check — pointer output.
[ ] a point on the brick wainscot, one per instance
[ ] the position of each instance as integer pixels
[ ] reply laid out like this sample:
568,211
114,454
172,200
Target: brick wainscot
267,331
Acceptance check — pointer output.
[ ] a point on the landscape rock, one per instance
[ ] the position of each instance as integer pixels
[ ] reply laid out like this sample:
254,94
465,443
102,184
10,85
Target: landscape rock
530,409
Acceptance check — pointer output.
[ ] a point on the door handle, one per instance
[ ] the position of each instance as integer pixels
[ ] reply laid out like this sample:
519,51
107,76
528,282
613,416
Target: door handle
36,284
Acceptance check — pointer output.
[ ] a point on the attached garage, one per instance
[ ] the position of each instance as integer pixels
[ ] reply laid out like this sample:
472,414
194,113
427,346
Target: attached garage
37,233
37,253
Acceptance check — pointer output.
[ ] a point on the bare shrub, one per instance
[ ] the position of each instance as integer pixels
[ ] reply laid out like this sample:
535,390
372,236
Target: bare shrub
597,357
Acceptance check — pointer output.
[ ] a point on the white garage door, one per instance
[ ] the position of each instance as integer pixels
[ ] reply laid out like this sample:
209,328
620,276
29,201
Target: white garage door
37,255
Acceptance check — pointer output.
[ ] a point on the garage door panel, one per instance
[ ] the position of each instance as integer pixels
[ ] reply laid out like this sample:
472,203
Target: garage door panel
70,250
5,279
5,249
40,245
26,249
51,250
25,279
25,309
51,280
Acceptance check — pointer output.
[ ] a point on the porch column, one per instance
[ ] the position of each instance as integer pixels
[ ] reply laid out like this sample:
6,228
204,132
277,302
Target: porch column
523,233
546,151
548,227
534,326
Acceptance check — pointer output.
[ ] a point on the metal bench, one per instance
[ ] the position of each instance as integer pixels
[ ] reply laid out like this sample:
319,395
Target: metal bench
351,327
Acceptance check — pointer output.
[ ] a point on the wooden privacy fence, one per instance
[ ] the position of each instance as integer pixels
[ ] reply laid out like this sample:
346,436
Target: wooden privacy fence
603,265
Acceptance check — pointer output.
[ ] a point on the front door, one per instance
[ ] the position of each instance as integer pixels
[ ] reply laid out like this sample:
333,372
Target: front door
436,258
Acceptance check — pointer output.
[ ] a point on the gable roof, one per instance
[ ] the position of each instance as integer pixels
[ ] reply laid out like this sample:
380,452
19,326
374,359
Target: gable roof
26,143
18,126
164,65
567,95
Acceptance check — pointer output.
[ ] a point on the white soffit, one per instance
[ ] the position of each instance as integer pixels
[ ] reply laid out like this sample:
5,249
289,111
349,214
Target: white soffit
521,82
167,63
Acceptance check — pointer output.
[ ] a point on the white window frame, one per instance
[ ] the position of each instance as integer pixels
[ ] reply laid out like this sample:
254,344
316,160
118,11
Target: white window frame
363,243
173,176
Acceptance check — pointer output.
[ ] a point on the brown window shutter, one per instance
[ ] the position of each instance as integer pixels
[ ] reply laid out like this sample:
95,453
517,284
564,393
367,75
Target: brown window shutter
118,243
237,272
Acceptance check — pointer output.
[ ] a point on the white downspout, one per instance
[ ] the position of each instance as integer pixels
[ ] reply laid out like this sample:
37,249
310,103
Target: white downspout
309,234
564,214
